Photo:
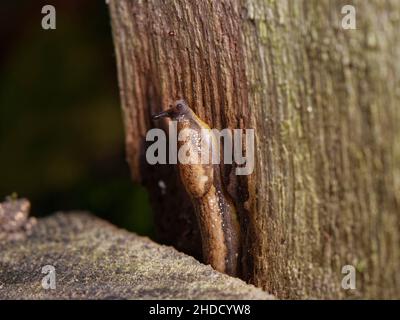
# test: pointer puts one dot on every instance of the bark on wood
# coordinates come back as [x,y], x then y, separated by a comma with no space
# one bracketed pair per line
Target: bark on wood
[324,103]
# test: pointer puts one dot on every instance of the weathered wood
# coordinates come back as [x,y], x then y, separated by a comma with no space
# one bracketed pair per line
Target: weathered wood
[95,260]
[324,103]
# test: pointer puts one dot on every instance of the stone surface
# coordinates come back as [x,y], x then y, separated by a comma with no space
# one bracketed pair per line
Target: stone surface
[95,260]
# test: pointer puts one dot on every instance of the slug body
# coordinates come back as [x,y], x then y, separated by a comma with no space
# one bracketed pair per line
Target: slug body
[215,211]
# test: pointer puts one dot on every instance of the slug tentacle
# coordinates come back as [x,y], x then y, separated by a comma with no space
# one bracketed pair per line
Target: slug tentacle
[215,211]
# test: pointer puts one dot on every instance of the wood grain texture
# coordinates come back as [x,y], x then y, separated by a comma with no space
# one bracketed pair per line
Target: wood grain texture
[324,103]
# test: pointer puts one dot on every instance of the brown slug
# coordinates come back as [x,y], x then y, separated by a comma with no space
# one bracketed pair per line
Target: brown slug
[215,211]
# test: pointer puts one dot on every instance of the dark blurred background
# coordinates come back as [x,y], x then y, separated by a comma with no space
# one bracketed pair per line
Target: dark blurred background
[61,129]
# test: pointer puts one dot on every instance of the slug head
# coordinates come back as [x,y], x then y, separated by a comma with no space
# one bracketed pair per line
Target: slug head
[179,109]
